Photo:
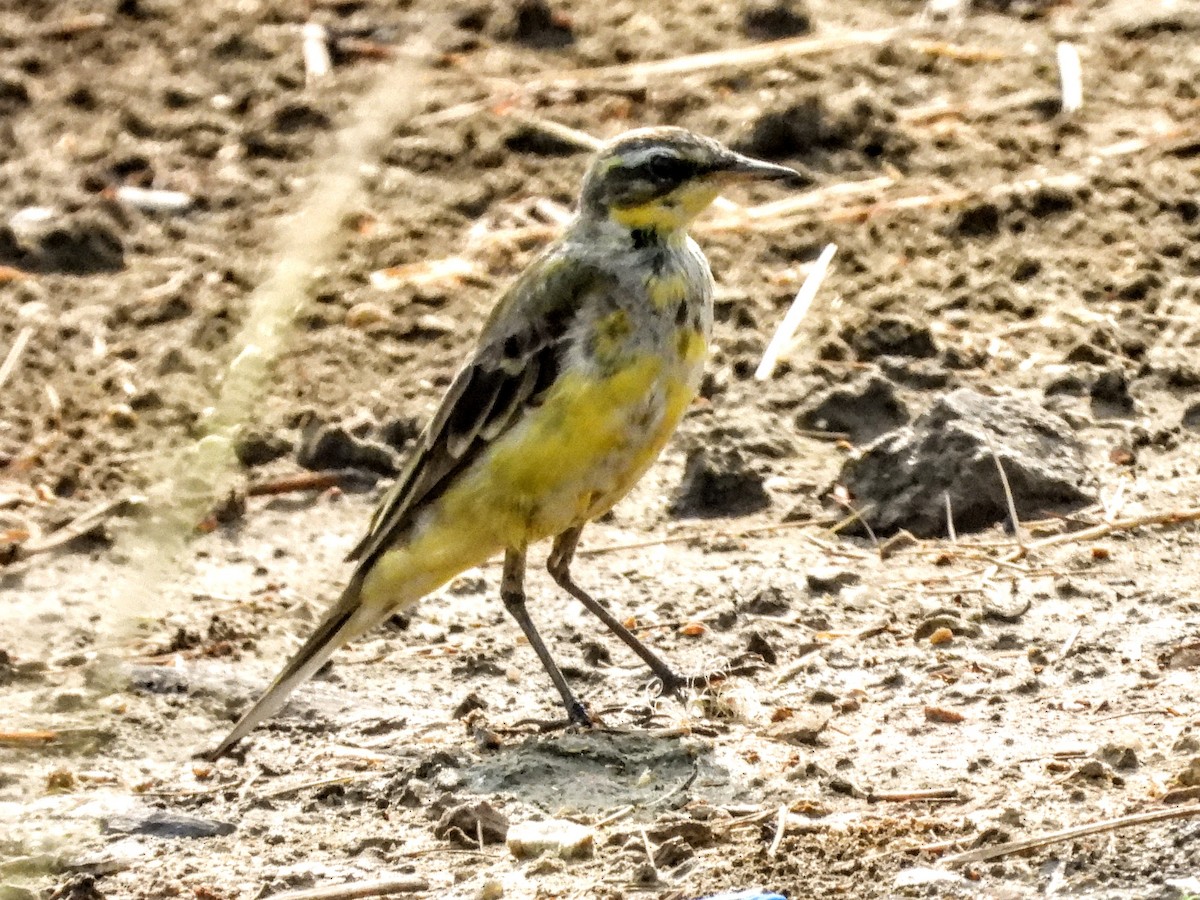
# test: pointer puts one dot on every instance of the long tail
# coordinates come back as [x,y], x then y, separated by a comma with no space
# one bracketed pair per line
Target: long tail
[346,620]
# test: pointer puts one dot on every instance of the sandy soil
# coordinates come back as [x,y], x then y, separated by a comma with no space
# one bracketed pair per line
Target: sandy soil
[986,240]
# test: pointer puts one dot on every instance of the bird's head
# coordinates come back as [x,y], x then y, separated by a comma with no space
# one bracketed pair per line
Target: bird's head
[660,179]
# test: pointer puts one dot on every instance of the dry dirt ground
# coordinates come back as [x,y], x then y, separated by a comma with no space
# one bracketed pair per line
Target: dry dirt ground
[900,703]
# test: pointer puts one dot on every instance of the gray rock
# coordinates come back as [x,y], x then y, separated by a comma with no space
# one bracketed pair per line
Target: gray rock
[903,478]
[165,824]
[326,447]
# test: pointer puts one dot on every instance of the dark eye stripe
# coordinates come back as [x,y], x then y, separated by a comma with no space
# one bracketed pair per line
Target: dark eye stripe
[667,169]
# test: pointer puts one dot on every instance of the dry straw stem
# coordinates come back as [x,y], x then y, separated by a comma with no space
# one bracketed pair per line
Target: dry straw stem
[14,354]
[795,314]
[758,55]
[983,854]
[780,827]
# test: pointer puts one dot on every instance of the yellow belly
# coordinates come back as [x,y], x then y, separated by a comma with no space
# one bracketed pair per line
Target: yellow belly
[569,461]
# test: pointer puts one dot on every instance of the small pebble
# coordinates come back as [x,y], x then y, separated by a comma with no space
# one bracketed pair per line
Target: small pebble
[558,837]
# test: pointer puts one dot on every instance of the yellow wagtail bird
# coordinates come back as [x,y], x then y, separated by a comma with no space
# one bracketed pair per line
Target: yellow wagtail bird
[581,374]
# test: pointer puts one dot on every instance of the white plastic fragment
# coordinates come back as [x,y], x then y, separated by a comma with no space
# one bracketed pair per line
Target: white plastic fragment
[153,200]
[1070,73]
[317,62]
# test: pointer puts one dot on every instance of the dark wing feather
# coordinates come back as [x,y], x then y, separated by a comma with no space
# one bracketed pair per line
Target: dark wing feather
[516,360]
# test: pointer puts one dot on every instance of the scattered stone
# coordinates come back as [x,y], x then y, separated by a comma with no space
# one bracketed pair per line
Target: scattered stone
[830,579]
[539,142]
[1110,395]
[534,24]
[864,409]
[1191,417]
[1190,774]
[558,837]
[672,852]
[758,645]
[164,824]
[324,447]
[719,482]
[257,448]
[943,716]
[892,336]
[464,824]
[1121,753]
[772,20]
[904,478]
[802,727]
[121,415]
[941,635]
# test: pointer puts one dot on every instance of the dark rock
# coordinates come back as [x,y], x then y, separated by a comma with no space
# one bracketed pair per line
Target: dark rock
[1087,352]
[295,117]
[1191,417]
[829,579]
[81,243]
[759,646]
[770,601]
[539,142]
[164,824]
[864,409]
[904,477]
[534,24]
[257,448]
[980,220]
[776,19]
[1110,395]
[892,336]
[14,93]
[333,447]
[719,483]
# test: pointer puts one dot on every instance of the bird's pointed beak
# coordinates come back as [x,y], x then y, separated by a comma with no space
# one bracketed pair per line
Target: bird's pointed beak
[738,168]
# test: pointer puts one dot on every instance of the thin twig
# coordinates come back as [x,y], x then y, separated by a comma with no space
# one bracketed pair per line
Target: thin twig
[908,796]
[761,54]
[355,889]
[1043,840]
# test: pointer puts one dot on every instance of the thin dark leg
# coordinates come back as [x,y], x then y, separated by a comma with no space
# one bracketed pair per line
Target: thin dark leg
[559,566]
[512,592]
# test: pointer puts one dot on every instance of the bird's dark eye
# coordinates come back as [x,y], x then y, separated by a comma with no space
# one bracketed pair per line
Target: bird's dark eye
[667,168]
